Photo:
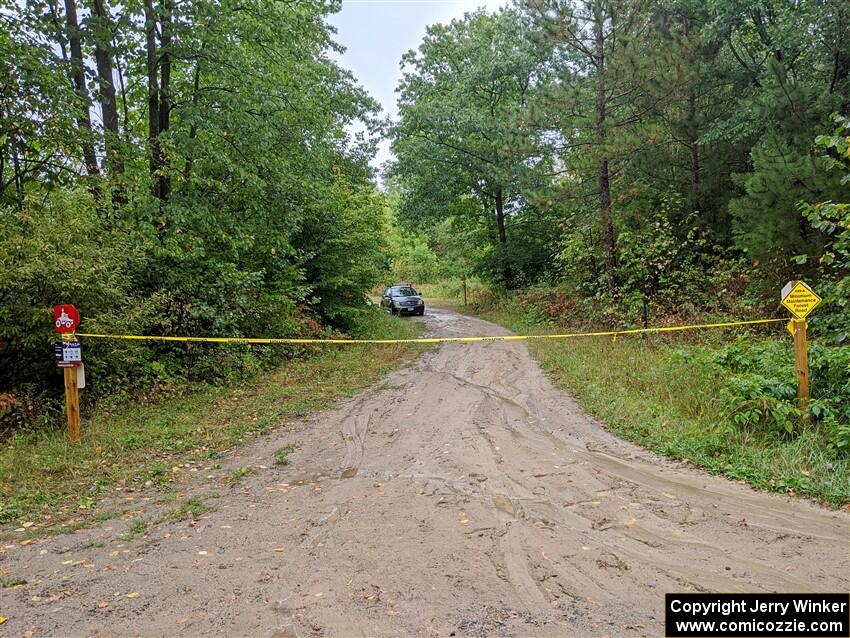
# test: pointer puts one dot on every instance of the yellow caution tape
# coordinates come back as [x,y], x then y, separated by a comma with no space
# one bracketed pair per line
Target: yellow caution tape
[293,341]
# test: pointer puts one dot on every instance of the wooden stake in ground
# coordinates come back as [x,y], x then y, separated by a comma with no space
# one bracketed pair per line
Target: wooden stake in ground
[72,404]
[463,280]
[66,319]
[801,361]
[800,300]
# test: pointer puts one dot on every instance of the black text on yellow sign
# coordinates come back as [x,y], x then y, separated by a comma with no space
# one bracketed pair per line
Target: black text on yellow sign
[800,299]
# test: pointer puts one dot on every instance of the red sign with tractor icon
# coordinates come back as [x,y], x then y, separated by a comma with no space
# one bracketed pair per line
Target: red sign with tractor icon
[66,318]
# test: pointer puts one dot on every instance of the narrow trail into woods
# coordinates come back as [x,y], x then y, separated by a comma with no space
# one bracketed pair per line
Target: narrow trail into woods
[464,495]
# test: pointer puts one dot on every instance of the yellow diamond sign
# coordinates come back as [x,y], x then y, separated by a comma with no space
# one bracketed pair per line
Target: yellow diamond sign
[799,299]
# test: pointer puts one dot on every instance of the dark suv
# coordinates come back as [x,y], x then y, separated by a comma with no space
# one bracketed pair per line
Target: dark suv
[403,299]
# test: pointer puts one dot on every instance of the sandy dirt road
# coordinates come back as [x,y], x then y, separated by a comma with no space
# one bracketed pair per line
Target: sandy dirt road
[463,496]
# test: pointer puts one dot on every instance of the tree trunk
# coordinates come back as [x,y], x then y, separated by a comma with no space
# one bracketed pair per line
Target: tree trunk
[108,105]
[766,39]
[692,135]
[500,218]
[840,74]
[123,91]
[693,141]
[60,33]
[193,129]
[606,221]
[606,230]
[166,7]
[3,142]
[503,236]
[153,97]
[79,78]
[19,182]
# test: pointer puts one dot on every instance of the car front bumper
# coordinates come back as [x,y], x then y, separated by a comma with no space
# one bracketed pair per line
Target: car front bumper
[411,310]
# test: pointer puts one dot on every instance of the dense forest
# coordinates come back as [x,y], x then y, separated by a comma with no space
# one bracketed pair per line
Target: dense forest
[646,158]
[177,168]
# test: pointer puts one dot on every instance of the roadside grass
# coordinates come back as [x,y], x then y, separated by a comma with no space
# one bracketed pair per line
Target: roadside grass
[91,544]
[137,527]
[239,474]
[189,509]
[449,290]
[11,581]
[46,479]
[281,456]
[650,390]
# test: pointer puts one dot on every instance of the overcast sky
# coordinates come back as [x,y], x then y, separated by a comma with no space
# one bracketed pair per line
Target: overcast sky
[377,32]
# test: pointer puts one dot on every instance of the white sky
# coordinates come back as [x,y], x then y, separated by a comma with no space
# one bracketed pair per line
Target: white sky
[377,32]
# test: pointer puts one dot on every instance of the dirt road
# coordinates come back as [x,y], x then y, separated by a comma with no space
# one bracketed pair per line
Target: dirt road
[463,496]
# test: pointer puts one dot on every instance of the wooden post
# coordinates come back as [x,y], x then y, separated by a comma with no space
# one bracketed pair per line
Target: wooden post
[72,404]
[801,361]
[463,280]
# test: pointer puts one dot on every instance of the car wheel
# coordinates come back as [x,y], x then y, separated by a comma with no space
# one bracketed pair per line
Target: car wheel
[421,312]
[393,310]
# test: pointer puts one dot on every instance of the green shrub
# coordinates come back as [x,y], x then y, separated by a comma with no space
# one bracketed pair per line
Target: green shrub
[128,277]
[755,400]
[839,435]
[761,389]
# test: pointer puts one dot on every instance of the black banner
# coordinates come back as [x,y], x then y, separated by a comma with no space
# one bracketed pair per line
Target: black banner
[757,615]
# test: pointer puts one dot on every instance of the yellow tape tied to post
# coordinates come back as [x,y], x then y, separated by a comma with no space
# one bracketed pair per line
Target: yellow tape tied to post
[295,341]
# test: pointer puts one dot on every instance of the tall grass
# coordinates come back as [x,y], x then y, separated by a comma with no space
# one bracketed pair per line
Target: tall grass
[451,290]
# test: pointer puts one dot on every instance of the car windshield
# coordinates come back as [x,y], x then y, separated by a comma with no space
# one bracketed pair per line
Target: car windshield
[403,291]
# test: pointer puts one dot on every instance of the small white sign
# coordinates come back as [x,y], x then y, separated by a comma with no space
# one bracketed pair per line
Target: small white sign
[71,352]
[81,376]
